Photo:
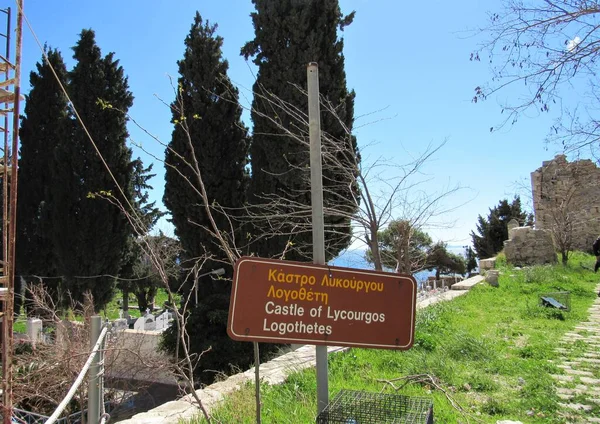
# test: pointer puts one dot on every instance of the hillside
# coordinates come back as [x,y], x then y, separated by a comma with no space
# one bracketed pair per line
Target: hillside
[483,357]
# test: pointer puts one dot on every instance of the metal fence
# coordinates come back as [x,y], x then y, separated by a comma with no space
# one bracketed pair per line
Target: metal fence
[25,417]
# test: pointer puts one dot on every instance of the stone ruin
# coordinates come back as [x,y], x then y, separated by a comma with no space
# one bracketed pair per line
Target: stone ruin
[566,203]
[528,246]
[566,195]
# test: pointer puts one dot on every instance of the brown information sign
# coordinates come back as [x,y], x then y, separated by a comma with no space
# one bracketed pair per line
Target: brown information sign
[294,302]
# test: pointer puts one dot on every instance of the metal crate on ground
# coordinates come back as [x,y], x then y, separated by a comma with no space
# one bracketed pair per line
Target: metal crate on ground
[557,300]
[357,407]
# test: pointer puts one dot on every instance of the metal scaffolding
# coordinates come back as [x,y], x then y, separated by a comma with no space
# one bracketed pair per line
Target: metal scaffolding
[10,96]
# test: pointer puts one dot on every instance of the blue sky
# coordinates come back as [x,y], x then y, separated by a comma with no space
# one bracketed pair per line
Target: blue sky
[408,61]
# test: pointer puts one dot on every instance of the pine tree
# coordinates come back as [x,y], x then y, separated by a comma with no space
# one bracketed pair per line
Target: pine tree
[402,247]
[90,233]
[208,134]
[43,127]
[443,261]
[289,34]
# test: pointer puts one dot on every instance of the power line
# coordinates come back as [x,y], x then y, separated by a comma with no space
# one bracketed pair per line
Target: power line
[42,277]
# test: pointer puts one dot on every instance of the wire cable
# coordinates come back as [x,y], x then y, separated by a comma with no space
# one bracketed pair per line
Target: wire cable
[91,139]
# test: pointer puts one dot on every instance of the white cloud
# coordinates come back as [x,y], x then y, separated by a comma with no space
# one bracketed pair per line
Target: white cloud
[572,44]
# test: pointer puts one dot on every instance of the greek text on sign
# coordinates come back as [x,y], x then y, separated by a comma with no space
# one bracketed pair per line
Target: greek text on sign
[295,302]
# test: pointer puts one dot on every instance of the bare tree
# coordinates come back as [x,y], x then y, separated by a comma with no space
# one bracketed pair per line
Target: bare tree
[565,217]
[45,369]
[45,372]
[562,206]
[551,48]
[396,195]
[280,213]
[383,190]
[160,259]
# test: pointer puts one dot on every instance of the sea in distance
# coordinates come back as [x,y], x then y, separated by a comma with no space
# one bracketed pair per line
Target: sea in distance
[355,258]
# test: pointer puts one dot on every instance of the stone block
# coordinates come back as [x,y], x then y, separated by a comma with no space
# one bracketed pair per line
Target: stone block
[529,246]
[485,264]
[34,330]
[491,277]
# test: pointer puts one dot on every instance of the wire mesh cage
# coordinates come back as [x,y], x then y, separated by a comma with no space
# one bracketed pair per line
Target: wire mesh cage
[358,407]
[559,300]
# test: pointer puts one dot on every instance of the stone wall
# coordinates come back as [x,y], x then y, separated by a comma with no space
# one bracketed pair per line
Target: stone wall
[566,197]
[136,356]
[526,246]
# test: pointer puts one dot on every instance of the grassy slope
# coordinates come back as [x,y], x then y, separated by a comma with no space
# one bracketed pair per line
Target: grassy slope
[488,349]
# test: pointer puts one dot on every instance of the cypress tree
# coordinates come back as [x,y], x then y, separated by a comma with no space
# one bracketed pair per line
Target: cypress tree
[288,35]
[207,111]
[43,127]
[208,133]
[493,231]
[90,233]
[149,214]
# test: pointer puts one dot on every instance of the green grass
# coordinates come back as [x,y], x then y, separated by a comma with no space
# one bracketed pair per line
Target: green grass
[489,350]
[111,311]
[20,326]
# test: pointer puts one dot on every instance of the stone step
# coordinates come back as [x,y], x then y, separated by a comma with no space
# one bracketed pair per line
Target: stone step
[587,399]
[564,351]
[590,328]
[571,378]
[579,390]
[590,343]
[581,336]
[571,371]
[584,362]
[576,406]
[572,333]
[591,355]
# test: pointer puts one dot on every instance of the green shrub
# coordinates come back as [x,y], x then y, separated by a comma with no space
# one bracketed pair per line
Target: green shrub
[425,341]
[493,406]
[500,260]
[463,346]
[480,382]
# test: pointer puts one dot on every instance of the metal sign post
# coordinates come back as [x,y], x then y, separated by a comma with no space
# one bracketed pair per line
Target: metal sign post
[318,223]
[277,301]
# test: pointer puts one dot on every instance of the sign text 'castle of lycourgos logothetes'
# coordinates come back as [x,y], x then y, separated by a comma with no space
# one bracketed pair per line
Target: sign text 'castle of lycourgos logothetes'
[293,302]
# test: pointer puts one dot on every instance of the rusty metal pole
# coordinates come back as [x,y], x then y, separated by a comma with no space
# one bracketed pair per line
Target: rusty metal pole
[4,330]
[12,223]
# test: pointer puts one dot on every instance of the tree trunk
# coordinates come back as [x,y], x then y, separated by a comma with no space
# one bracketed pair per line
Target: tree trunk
[564,256]
[142,301]
[374,245]
[126,303]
